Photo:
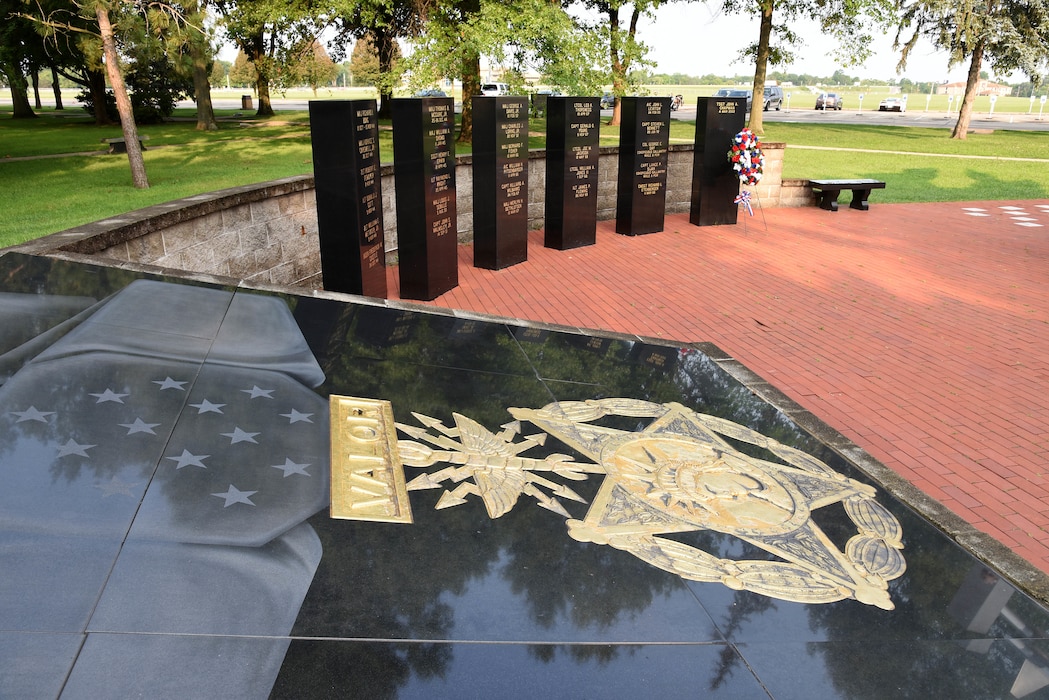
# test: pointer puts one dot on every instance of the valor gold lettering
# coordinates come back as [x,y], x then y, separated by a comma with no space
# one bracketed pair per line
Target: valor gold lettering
[367,480]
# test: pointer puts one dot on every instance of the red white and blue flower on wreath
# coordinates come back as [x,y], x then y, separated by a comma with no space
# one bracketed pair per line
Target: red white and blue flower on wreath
[746,157]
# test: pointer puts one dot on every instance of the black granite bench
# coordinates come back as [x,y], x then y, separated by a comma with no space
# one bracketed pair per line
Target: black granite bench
[827,192]
[119,145]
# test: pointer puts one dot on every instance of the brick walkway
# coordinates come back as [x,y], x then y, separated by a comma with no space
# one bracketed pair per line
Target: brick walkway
[919,331]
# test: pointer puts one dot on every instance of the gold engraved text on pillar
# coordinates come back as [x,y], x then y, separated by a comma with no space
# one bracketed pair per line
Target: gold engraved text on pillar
[367,480]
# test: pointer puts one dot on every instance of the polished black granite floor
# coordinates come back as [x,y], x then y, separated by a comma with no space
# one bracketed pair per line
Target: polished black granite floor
[165,532]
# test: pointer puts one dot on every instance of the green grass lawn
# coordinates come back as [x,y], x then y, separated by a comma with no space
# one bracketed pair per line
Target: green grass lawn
[47,195]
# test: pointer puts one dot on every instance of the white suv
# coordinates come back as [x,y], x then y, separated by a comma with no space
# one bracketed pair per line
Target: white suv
[495,89]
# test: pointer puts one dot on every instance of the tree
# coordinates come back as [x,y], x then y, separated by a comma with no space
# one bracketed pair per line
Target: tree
[59,22]
[57,87]
[314,67]
[364,61]
[534,33]
[379,23]
[625,52]
[851,22]
[270,32]
[72,49]
[19,86]
[156,68]
[127,117]
[201,53]
[219,74]
[19,46]
[1008,34]
[242,72]
[103,35]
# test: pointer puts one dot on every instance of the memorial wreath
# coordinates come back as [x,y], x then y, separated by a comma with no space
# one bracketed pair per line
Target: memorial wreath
[746,157]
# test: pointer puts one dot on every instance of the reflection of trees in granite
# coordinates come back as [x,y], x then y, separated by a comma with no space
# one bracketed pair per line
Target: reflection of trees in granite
[356,669]
[920,669]
[382,581]
[600,654]
[324,324]
[30,274]
[744,607]
[589,586]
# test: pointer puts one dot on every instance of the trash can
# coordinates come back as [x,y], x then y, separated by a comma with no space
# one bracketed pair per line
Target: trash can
[245,102]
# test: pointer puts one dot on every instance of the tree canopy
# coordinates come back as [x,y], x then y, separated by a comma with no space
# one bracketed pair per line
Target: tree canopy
[625,52]
[1008,35]
[272,34]
[852,23]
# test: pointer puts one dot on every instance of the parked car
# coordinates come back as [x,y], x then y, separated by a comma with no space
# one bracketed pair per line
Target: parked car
[829,100]
[431,92]
[495,89]
[539,101]
[742,93]
[773,98]
[723,92]
[892,104]
[608,101]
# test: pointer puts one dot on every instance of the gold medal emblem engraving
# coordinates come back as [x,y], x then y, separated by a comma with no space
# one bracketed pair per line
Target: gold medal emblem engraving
[681,473]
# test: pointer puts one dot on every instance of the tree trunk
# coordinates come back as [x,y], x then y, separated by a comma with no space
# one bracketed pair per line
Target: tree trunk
[202,92]
[618,69]
[36,88]
[200,57]
[57,87]
[127,115]
[384,46]
[19,93]
[262,87]
[961,128]
[471,86]
[757,104]
[97,86]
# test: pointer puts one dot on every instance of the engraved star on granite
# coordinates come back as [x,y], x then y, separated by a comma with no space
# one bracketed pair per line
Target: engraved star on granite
[239,435]
[235,495]
[139,426]
[169,383]
[290,468]
[109,396]
[206,406]
[32,413]
[297,417]
[188,459]
[72,447]
[255,392]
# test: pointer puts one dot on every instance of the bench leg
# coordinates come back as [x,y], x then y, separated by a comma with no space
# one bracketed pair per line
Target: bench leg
[828,199]
[859,199]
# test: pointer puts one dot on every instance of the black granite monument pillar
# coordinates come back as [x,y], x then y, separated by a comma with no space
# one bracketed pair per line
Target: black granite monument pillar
[424,174]
[572,143]
[644,137]
[500,181]
[345,138]
[714,182]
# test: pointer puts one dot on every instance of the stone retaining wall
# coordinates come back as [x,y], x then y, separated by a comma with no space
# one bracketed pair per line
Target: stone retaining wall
[267,233]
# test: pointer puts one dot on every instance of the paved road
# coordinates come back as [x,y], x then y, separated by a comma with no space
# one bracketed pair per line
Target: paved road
[916,117]
[980,120]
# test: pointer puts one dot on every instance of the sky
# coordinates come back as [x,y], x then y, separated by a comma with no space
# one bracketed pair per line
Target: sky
[693,38]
